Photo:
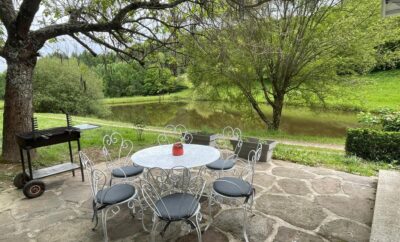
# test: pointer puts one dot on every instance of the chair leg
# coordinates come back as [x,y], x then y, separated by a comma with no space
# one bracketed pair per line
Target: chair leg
[198,228]
[104,223]
[156,221]
[142,215]
[210,197]
[245,223]
[251,203]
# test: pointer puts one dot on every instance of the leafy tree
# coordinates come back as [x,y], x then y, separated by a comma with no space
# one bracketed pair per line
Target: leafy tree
[110,23]
[69,86]
[122,79]
[282,49]
[158,81]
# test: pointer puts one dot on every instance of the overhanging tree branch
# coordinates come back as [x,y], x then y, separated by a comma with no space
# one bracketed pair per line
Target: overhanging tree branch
[54,31]
[116,23]
[111,47]
[87,47]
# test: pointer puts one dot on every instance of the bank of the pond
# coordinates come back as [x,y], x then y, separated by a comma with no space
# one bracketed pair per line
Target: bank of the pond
[214,116]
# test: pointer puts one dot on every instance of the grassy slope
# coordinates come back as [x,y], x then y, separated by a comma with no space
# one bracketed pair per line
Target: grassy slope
[382,90]
[367,93]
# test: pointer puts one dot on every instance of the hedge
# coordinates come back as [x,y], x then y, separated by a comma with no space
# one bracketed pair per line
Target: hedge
[373,145]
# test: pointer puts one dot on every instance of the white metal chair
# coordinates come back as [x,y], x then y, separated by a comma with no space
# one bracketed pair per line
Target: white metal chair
[117,151]
[227,162]
[107,198]
[237,188]
[172,134]
[174,196]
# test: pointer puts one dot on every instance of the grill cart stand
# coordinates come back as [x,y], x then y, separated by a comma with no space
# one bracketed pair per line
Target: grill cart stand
[29,178]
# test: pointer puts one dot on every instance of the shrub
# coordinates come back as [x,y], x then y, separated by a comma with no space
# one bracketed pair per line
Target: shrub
[66,86]
[373,144]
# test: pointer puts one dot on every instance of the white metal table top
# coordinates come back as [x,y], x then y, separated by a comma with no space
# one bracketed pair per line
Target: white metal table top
[161,156]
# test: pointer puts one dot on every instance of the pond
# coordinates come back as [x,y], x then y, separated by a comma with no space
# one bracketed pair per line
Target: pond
[215,115]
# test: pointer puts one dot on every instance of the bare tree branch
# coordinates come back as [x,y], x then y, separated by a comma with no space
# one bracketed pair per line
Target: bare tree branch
[7,13]
[91,51]
[117,50]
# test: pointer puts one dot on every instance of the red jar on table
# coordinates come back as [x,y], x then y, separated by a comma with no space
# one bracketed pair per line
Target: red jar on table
[177,149]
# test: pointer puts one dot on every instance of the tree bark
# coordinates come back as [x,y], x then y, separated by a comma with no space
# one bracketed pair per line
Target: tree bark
[18,105]
[277,112]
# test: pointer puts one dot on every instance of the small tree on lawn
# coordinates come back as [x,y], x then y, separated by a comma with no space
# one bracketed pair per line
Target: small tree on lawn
[281,49]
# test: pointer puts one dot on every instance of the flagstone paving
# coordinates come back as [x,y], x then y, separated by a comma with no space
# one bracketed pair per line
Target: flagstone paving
[293,203]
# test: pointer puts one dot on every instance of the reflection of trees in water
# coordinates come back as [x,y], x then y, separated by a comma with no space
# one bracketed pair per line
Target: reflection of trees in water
[208,115]
[157,114]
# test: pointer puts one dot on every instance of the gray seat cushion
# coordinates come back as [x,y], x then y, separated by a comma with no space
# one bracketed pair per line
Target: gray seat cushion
[221,164]
[232,187]
[115,194]
[128,170]
[177,206]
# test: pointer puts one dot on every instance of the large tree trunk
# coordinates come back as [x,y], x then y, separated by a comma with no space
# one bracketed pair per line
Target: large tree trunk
[277,112]
[18,105]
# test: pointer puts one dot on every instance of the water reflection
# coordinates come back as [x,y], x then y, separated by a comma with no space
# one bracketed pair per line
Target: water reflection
[206,115]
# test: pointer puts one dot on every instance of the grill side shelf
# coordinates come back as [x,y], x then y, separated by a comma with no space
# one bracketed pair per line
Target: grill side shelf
[56,169]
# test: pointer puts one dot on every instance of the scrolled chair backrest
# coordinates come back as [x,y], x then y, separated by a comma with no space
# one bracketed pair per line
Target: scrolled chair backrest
[115,147]
[225,139]
[253,157]
[172,134]
[87,163]
[158,178]
[98,181]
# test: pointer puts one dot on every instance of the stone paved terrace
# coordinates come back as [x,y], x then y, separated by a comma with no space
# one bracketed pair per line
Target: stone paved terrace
[293,203]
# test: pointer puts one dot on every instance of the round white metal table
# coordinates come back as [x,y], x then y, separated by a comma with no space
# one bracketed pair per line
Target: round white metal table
[161,156]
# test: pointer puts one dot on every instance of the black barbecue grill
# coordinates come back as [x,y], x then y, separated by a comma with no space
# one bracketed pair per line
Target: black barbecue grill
[29,178]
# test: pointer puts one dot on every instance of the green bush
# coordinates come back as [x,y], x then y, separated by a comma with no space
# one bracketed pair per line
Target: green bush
[373,144]
[67,86]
